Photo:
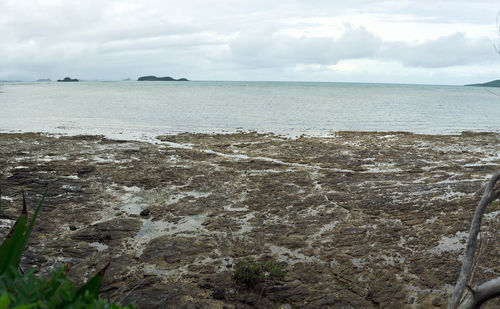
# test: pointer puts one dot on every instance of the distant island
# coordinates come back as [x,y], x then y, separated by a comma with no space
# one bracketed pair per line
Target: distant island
[164,79]
[494,83]
[44,80]
[68,79]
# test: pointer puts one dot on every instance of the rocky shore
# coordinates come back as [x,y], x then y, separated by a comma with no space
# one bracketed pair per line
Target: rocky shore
[357,220]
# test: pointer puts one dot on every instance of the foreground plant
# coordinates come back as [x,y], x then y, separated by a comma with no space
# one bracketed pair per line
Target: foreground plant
[24,290]
[464,295]
[250,274]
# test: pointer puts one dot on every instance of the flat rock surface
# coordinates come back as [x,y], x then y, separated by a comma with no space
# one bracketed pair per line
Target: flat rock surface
[357,219]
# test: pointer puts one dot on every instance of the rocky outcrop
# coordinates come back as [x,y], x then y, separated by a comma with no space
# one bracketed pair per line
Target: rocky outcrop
[355,219]
[68,79]
[164,79]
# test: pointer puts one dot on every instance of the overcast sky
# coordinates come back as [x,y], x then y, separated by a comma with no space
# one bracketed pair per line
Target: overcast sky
[431,42]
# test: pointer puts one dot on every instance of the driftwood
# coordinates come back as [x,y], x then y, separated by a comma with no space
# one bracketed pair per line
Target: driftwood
[478,295]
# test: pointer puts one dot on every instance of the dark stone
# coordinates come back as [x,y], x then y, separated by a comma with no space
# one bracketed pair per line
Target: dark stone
[205,284]
[251,299]
[276,289]
[437,302]
[72,227]
[146,212]
[219,293]
[115,229]
[85,170]
[148,296]
[21,177]
[175,250]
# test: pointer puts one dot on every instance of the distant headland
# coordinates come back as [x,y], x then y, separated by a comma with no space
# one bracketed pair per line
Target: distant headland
[494,83]
[44,80]
[68,79]
[166,79]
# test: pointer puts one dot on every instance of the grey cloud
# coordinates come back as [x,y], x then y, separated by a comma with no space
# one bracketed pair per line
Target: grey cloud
[452,50]
[111,39]
[260,49]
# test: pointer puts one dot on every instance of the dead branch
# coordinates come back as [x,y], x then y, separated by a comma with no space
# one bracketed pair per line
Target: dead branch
[482,293]
[488,288]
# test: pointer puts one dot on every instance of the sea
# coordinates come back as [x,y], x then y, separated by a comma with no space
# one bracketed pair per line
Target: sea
[142,110]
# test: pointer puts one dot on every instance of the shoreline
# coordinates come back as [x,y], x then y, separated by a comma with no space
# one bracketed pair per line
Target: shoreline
[153,137]
[357,219]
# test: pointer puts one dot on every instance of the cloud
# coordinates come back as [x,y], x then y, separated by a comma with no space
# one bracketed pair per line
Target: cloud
[452,50]
[263,49]
[219,39]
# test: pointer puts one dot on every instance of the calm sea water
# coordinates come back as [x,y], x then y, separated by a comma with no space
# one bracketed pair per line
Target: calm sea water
[145,109]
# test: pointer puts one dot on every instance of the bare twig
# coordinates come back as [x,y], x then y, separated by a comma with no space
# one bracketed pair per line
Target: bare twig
[477,259]
[472,244]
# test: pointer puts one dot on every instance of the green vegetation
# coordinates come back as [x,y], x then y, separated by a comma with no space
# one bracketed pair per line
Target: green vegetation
[68,79]
[24,290]
[251,274]
[164,79]
[494,83]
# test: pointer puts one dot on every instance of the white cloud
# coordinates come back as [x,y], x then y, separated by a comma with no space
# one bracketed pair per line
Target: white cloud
[222,39]
[265,49]
[452,50]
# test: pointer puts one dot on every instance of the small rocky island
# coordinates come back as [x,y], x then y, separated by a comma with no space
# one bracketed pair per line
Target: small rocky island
[68,79]
[165,79]
[44,80]
[494,83]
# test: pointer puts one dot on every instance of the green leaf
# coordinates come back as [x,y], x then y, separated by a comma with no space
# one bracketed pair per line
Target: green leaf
[32,223]
[93,285]
[26,306]
[4,300]
[12,247]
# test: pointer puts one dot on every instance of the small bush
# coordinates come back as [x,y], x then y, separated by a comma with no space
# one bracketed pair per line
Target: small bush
[251,274]
[24,290]
[28,291]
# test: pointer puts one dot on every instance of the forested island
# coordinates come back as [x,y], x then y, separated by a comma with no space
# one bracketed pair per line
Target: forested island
[166,78]
[494,83]
[68,79]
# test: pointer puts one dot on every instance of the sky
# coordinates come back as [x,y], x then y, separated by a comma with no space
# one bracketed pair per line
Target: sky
[422,42]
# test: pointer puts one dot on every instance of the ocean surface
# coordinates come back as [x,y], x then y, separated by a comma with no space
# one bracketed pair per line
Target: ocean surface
[137,110]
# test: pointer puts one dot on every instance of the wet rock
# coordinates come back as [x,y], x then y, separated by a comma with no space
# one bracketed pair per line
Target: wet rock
[205,284]
[145,212]
[169,251]
[109,231]
[148,296]
[85,170]
[349,215]
[437,302]
[251,299]
[219,293]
